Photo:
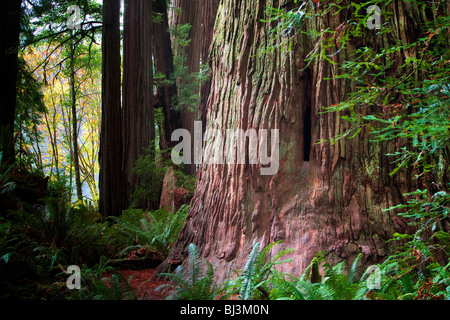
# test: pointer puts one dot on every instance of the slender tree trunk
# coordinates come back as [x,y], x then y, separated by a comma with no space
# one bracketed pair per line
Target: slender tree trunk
[73,101]
[138,118]
[323,197]
[9,44]
[53,144]
[110,156]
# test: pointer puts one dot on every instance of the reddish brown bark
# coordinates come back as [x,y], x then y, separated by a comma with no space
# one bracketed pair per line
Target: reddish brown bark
[110,178]
[325,197]
[137,114]
[166,94]
[209,12]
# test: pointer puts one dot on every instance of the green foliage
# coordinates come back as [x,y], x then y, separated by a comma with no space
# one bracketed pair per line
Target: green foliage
[420,267]
[95,285]
[36,240]
[335,283]
[192,284]
[253,282]
[47,19]
[151,175]
[7,247]
[66,234]
[261,280]
[188,83]
[287,26]
[29,109]
[157,230]
[185,181]
[411,104]
[250,273]
[151,167]
[5,184]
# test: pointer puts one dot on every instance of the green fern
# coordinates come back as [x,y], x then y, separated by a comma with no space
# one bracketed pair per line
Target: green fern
[250,273]
[257,272]
[157,230]
[284,289]
[71,231]
[192,284]
[96,286]
[334,284]
[7,245]
[133,229]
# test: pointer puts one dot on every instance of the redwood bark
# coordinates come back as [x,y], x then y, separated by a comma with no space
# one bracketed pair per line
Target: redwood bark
[166,94]
[190,12]
[325,197]
[138,118]
[209,12]
[110,155]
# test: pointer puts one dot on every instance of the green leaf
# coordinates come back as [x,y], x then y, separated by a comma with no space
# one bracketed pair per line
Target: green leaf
[444,237]
[6,257]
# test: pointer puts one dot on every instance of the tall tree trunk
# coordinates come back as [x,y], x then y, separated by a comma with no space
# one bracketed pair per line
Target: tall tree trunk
[190,12]
[164,62]
[166,94]
[209,12]
[73,104]
[323,197]
[110,177]
[9,45]
[138,118]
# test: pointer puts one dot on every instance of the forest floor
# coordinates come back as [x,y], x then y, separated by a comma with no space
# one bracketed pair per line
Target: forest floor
[145,285]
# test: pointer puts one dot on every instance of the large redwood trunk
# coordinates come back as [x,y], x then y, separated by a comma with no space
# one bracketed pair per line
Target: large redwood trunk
[110,155]
[209,12]
[324,197]
[137,113]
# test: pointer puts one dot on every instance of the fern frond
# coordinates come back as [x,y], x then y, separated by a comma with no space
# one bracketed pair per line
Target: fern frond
[191,285]
[250,273]
[354,270]
[309,290]
[327,292]
[283,289]
[407,284]
[194,263]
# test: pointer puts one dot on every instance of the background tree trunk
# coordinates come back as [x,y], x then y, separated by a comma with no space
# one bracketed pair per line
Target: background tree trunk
[9,45]
[325,197]
[138,118]
[110,177]
[190,12]
[166,94]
